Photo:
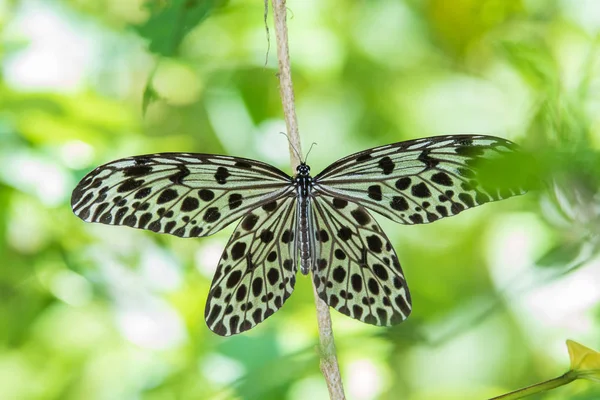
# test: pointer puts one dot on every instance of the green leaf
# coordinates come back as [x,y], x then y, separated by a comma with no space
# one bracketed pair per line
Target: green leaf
[559,255]
[533,60]
[171,20]
[150,95]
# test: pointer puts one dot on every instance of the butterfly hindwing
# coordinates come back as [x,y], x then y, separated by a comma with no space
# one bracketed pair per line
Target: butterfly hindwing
[256,273]
[423,180]
[357,271]
[182,194]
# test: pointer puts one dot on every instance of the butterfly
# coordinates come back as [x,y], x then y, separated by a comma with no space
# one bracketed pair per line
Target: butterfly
[321,223]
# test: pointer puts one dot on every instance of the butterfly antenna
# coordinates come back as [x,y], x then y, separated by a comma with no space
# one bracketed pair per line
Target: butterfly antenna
[292,146]
[309,150]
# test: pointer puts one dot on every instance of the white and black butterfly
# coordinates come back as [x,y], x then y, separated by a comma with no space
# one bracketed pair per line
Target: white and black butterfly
[320,223]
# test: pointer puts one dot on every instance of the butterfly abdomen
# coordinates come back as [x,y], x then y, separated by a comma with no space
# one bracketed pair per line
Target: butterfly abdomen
[304,242]
[305,245]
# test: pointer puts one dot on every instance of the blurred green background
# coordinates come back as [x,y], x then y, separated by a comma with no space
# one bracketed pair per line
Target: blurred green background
[101,312]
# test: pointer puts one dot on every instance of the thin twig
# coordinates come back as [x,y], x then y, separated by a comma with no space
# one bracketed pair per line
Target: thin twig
[286,89]
[539,387]
[329,363]
[265,15]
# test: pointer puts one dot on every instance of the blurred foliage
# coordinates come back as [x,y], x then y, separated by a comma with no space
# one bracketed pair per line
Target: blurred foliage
[170,21]
[100,312]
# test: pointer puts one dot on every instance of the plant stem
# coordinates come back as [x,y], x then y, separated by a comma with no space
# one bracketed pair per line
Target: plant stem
[329,364]
[538,387]
[286,87]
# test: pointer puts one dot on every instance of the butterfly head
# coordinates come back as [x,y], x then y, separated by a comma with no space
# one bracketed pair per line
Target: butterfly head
[303,170]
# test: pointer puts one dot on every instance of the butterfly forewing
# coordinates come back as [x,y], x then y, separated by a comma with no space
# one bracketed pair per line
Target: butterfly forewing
[357,270]
[182,194]
[256,273]
[423,180]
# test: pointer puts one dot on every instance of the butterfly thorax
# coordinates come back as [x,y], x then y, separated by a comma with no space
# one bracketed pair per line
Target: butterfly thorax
[303,180]
[304,183]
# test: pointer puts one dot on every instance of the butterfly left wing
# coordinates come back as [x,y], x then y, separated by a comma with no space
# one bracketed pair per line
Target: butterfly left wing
[357,271]
[423,180]
[181,194]
[257,271]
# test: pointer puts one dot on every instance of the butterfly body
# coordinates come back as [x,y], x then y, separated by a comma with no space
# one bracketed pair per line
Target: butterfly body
[304,185]
[321,223]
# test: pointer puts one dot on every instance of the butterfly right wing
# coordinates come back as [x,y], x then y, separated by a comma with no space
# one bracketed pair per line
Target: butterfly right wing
[182,194]
[423,180]
[357,271]
[257,271]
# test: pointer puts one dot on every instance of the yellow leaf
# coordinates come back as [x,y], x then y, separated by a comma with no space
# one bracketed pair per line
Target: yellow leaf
[585,362]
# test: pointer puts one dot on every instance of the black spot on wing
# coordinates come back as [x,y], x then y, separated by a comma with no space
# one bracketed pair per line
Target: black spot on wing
[373,286]
[238,250]
[233,279]
[375,244]
[344,233]
[177,178]
[243,164]
[416,218]
[166,196]
[129,185]
[142,160]
[399,203]
[143,192]
[387,165]
[211,215]
[144,219]
[273,276]
[339,203]
[221,175]
[195,231]
[464,142]
[322,236]
[339,254]
[420,190]
[206,195]
[235,200]
[443,211]
[431,217]
[380,271]
[360,216]
[137,170]
[257,286]
[466,199]
[429,161]
[403,183]
[269,207]
[339,274]
[189,204]
[130,220]
[374,192]
[287,236]
[363,157]
[356,282]
[266,236]
[154,226]
[442,178]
